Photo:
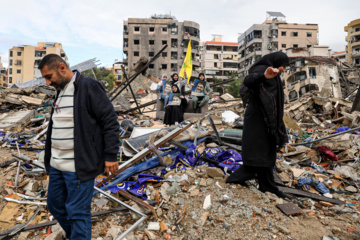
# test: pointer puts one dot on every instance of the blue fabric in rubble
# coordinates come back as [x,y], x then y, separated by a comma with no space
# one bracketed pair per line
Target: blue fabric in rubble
[317,184]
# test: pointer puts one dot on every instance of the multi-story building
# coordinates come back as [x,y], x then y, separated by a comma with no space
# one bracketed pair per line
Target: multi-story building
[117,71]
[273,35]
[311,69]
[24,60]
[353,39]
[146,36]
[218,59]
[3,75]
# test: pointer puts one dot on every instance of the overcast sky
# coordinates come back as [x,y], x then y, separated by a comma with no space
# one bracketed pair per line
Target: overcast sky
[91,28]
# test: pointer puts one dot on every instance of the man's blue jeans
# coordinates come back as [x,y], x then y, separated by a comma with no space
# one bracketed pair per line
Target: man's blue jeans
[69,201]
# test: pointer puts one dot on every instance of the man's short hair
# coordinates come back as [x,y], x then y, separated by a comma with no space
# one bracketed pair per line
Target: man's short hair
[52,61]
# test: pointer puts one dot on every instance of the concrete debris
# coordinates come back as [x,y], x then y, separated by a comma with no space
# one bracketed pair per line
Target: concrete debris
[318,169]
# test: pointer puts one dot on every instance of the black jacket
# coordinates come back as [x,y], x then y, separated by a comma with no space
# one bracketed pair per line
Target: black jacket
[96,129]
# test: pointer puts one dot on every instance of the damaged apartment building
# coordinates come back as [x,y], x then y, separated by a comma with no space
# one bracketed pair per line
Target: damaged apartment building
[311,69]
[273,35]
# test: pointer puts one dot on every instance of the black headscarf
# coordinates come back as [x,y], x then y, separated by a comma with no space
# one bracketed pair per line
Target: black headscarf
[271,94]
[173,81]
[276,59]
[177,88]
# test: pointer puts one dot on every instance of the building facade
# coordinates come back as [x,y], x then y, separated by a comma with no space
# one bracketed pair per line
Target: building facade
[218,59]
[117,71]
[273,35]
[353,40]
[146,36]
[311,69]
[24,60]
[3,75]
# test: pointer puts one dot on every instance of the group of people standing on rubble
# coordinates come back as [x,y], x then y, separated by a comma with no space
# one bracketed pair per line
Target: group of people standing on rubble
[83,133]
[175,102]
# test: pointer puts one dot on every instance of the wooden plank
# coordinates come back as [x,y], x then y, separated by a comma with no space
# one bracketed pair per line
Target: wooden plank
[310,195]
[138,201]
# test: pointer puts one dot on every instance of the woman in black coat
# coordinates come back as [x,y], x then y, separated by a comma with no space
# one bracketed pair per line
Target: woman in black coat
[175,113]
[264,130]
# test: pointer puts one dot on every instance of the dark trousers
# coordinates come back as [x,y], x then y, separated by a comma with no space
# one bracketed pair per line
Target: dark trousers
[264,176]
[69,201]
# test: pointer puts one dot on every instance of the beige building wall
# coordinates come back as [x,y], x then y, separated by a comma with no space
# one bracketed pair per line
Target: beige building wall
[23,61]
[353,39]
[292,35]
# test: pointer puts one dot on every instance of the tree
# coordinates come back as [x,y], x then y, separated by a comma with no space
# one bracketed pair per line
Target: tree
[102,73]
[234,87]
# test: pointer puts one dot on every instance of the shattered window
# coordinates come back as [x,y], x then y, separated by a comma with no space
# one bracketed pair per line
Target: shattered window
[309,34]
[312,72]
[283,33]
[293,95]
[136,29]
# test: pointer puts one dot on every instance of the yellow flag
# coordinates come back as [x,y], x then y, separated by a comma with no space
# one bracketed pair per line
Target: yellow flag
[187,65]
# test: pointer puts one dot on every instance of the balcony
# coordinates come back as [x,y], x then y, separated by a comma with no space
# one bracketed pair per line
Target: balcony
[355,53]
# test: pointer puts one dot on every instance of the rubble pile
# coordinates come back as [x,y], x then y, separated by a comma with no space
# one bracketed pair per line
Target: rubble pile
[30,96]
[180,183]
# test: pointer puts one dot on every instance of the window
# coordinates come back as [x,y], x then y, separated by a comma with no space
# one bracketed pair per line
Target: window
[136,29]
[10,79]
[136,41]
[309,34]
[11,53]
[312,72]
[295,45]
[308,46]
[151,66]
[174,30]
[10,70]
[151,29]
[293,95]
[216,56]
[136,54]
[283,34]
[215,64]
[218,49]
[283,45]
[10,63]
[151,42]
[19,54]
[164,54]
[163,42]
[18,71]
[295,34]
[163,66]
[151,54]
[164,29]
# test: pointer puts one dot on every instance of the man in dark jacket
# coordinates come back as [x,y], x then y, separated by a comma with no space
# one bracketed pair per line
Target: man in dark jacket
[82,141]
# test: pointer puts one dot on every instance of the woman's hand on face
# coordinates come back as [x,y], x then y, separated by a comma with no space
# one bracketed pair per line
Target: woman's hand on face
[271,72]
[182,97]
